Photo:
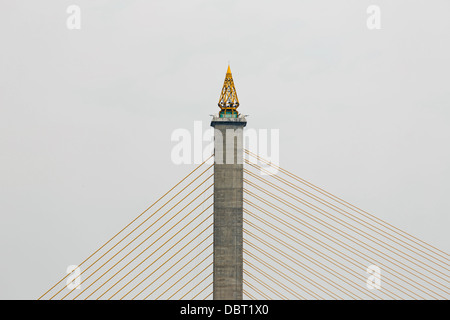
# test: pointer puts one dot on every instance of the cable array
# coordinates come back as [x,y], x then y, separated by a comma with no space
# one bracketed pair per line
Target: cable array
[322,246]
[300,242]
[154,256]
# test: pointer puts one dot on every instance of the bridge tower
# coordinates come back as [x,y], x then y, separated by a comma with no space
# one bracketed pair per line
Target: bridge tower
[228,194]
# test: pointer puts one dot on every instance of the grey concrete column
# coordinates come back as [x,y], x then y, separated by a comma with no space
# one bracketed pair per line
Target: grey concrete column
[228,207]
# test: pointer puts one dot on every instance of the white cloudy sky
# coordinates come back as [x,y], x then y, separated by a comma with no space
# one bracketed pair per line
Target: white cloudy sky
[86,115]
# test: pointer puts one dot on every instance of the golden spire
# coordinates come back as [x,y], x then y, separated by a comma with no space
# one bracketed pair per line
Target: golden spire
[228,101]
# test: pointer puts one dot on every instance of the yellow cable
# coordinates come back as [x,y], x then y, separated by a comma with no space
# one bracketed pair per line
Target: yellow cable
[149,246]
[167,269]
[344,278]
[297,262]
[204,288]
[256,290]
[301,275]
[348,205]
[164,254]
[136,238]
[346,214]
[248,294]
[197,286]
[329,237]
[351,237]
[207,296]
[278,271]
[161,256]
[184,266]
[317,241]
[125,228]
[263,284]
[145,259]
[193,277]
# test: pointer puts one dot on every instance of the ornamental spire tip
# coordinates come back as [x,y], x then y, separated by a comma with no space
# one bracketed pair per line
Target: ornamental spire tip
[228,101]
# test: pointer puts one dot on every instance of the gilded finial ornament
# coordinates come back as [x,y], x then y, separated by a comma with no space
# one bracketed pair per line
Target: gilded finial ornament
[228,101]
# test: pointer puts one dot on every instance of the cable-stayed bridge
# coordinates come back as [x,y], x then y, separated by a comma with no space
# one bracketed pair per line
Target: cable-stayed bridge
[232,229]
[299,242]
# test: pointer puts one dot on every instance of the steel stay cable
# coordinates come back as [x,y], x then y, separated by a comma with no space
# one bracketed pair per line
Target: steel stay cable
[360,242]
[195,275]
[296,283]
[181,268]
[315,240]
[288,278]
[161,265]
[149,246]
[165,223]
[351,206]
[207,296]
[350,216]
[136,229]
[143,240]
[203,289]
[248,294]
[357,230]
[79,265]
[197,286]
[294,249]
[145,259]
[288,256]
[273,280]
[350,237]
[263,284]
[347,204]
[256,290]
[294,271]
[341,243]
[316,273]
[264,252]
[184,266]
[170,267]
[291,247]
[331,238]
[360,221]
[293,238]
[163,255]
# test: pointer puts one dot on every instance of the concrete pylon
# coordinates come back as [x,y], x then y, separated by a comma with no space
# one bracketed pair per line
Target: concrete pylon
[228,207]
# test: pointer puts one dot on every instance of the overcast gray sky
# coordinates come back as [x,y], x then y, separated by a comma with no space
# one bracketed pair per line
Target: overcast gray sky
[86,115]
